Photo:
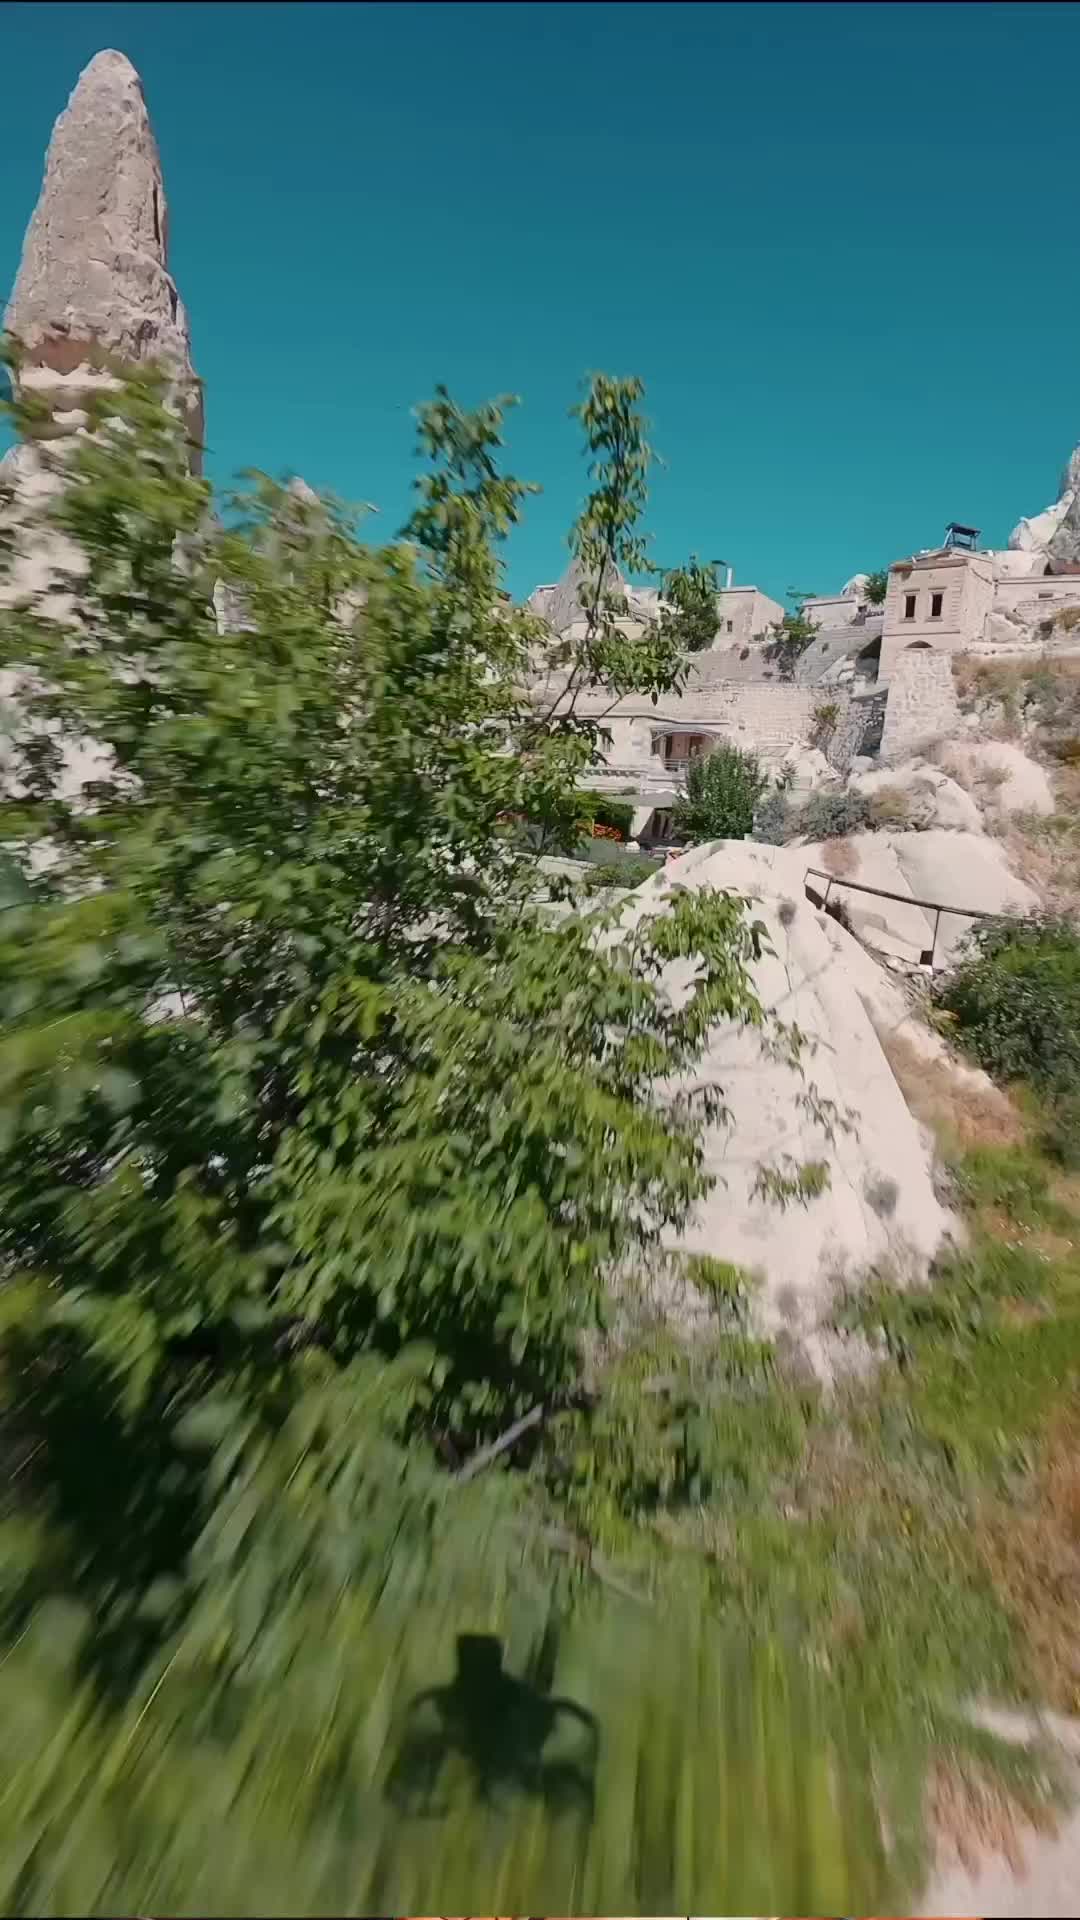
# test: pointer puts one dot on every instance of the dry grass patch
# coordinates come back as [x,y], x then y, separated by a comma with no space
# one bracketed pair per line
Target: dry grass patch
[948,757]
[890,806]
[964,1115]
[973,1815]
[950,1098]
[978,678]
[1045,848]
[839,857]
[1032,1549]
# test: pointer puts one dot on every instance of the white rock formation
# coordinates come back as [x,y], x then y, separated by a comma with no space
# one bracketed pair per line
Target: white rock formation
[889,926]
[1004,776]
[1056,530]
[93,288]
[1007,629]
[931,797]
[957,869]
[807,769]
[961,870]
[94,279]
[881,1200]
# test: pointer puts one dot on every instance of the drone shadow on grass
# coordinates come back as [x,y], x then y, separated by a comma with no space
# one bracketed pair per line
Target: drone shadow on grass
[514,1736]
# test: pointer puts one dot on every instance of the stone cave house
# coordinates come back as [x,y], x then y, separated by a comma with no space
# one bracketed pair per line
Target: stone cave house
[875,681]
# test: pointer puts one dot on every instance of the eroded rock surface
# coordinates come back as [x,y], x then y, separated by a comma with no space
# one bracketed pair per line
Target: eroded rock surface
[94,280]
[844,1108]
[1055,531]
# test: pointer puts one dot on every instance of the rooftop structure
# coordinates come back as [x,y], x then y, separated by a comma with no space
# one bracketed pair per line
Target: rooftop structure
[957,535]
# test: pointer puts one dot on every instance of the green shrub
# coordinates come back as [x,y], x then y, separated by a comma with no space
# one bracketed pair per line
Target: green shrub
[890,807]
[828,816]
[607,810]
[1060,1134]
[787,1181]
[726,1285]
[690,593]
[626,870]
[790,637]
[1014,999]
[773,819]
[722,793]
[1013,1179]
[826,719]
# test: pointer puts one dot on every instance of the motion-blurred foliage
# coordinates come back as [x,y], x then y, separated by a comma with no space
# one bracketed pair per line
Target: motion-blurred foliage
[319,1152]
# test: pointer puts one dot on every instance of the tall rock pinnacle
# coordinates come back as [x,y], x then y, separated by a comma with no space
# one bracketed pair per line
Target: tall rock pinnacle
[94,278]
[1055,531]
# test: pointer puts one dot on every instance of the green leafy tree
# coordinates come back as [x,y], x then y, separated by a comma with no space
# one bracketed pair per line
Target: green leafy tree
[691,613]
[319,1150]
[299,918]
[321,1154]
[876,586]
[723,791]
[791,635]
[607,542]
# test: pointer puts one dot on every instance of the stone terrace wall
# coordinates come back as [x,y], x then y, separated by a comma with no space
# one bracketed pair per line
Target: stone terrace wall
[763,717]
[922,703]
[859,729]
[767,718]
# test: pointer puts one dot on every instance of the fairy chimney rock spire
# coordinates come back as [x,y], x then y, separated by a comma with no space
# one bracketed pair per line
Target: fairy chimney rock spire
[94,280]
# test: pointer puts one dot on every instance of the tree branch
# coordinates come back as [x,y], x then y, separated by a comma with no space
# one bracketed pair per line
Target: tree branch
[485,1455]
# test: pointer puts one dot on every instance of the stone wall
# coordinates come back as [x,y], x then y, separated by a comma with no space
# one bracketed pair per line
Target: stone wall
[922,703]
[1034,601]
[763,717]
[861,728]
[868,720]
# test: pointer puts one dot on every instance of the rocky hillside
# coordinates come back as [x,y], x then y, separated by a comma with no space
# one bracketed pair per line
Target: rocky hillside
[825,1169]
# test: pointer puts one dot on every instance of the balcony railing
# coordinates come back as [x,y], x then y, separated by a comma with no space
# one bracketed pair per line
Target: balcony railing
[936,907]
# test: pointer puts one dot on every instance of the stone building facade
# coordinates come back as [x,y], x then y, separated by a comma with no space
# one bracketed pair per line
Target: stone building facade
[940,600]
[921,703]
[954,601]
[745,615]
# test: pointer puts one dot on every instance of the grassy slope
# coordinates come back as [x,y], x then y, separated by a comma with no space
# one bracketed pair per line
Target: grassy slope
[917,1530]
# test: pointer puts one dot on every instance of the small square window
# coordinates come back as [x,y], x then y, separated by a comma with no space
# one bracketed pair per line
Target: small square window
[909,606]
[937,601]
[731,626]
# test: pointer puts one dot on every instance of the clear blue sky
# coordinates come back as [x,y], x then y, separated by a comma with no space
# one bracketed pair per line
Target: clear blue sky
[841,245]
